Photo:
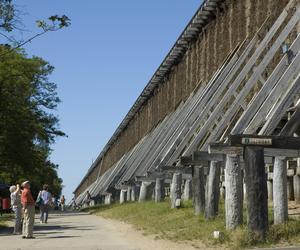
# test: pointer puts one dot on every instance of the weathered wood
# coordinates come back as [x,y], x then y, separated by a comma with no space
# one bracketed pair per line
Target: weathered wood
[176,190]
[213,190]
[297,189]
[270,189]
[129,190]
[281,142]
[135,192]
[293,124]
[280,190]
[233,194]
[107,199]
[198,189]
[187,192]
[146,191]
[257,194]
[290,188]
[159,190]
[123,196]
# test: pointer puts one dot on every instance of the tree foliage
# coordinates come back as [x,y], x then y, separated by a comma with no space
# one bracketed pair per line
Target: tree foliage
[27,125]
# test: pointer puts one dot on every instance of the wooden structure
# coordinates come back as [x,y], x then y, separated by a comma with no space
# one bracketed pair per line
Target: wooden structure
[243,118]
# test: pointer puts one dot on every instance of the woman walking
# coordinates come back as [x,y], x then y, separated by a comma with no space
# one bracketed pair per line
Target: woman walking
[15,199]
[44,200]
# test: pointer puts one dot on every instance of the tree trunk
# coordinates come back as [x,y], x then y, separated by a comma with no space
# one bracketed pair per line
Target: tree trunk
[234,193]
[198,189]
[159,190]
[257,191]
[176,190]
[280,200]
[213,190]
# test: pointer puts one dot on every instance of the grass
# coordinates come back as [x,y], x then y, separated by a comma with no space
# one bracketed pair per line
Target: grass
[182,225]
[4,218]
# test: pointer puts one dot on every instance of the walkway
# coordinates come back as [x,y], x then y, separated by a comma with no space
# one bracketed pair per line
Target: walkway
[78,231]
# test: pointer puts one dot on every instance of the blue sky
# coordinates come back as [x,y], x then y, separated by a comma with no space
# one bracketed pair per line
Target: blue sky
[102,63]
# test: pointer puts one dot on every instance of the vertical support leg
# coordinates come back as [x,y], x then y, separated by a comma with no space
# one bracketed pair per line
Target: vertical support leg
[198,189]
[146,191]
[270,189]
[159,190]
[129,189]
[256,183]
[234,192]
[187,193]
[213,190]
[122,196]
[297,183]
[280,200]
[176,190]
[290,188]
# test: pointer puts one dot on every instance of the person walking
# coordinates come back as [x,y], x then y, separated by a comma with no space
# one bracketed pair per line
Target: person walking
[28,210]
[15,200]
[62,203]
[45,199]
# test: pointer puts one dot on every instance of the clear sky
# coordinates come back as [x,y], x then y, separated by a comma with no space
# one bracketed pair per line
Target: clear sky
[102,63]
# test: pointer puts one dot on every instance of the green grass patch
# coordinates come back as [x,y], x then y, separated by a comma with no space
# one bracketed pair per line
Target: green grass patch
[182,225]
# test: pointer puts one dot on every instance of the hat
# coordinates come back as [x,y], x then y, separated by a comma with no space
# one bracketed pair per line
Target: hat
[12,188]
[24,183]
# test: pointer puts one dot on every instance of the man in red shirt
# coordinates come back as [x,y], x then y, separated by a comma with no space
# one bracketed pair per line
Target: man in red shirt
[28,204]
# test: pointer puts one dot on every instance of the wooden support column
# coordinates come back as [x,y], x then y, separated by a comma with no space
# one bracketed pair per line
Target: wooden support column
[129,190]
[213,190]
[176,190]
[280,200]
[198,189]
[146,191]
[159,189]
[123,196]
[297,183]
[107,199]
[233,194]
[270,189]
[290,188]
[257,197]
[134,192]
[187,193]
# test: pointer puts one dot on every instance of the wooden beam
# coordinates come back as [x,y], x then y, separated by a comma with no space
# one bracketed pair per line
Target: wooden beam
[280,142]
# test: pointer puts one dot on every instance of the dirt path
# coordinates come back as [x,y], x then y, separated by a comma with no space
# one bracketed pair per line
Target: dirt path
[82,231]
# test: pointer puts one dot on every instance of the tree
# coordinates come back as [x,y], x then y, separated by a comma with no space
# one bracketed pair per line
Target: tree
[9,21]
[27,124]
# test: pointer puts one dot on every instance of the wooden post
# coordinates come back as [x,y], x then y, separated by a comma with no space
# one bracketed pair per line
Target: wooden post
[134,192]
[257,197]
[146,191]
[280,190]
[297,188]
[187,193]
[213,190]
[176,190]
[122,196]
[297,183]
[107,199]
[159,189]
[129,189]
[198,189]
[270,189]
[290,188]
[233,194]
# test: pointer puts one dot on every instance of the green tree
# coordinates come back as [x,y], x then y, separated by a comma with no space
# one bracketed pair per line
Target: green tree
[28,126]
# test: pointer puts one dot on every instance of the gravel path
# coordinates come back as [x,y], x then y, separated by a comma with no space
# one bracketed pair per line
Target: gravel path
[79,231]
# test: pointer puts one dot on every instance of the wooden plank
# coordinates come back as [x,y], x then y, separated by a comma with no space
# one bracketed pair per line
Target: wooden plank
[280,142]
[253,79]
[235,106]
[281,73]
[292,125]
[281,108]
